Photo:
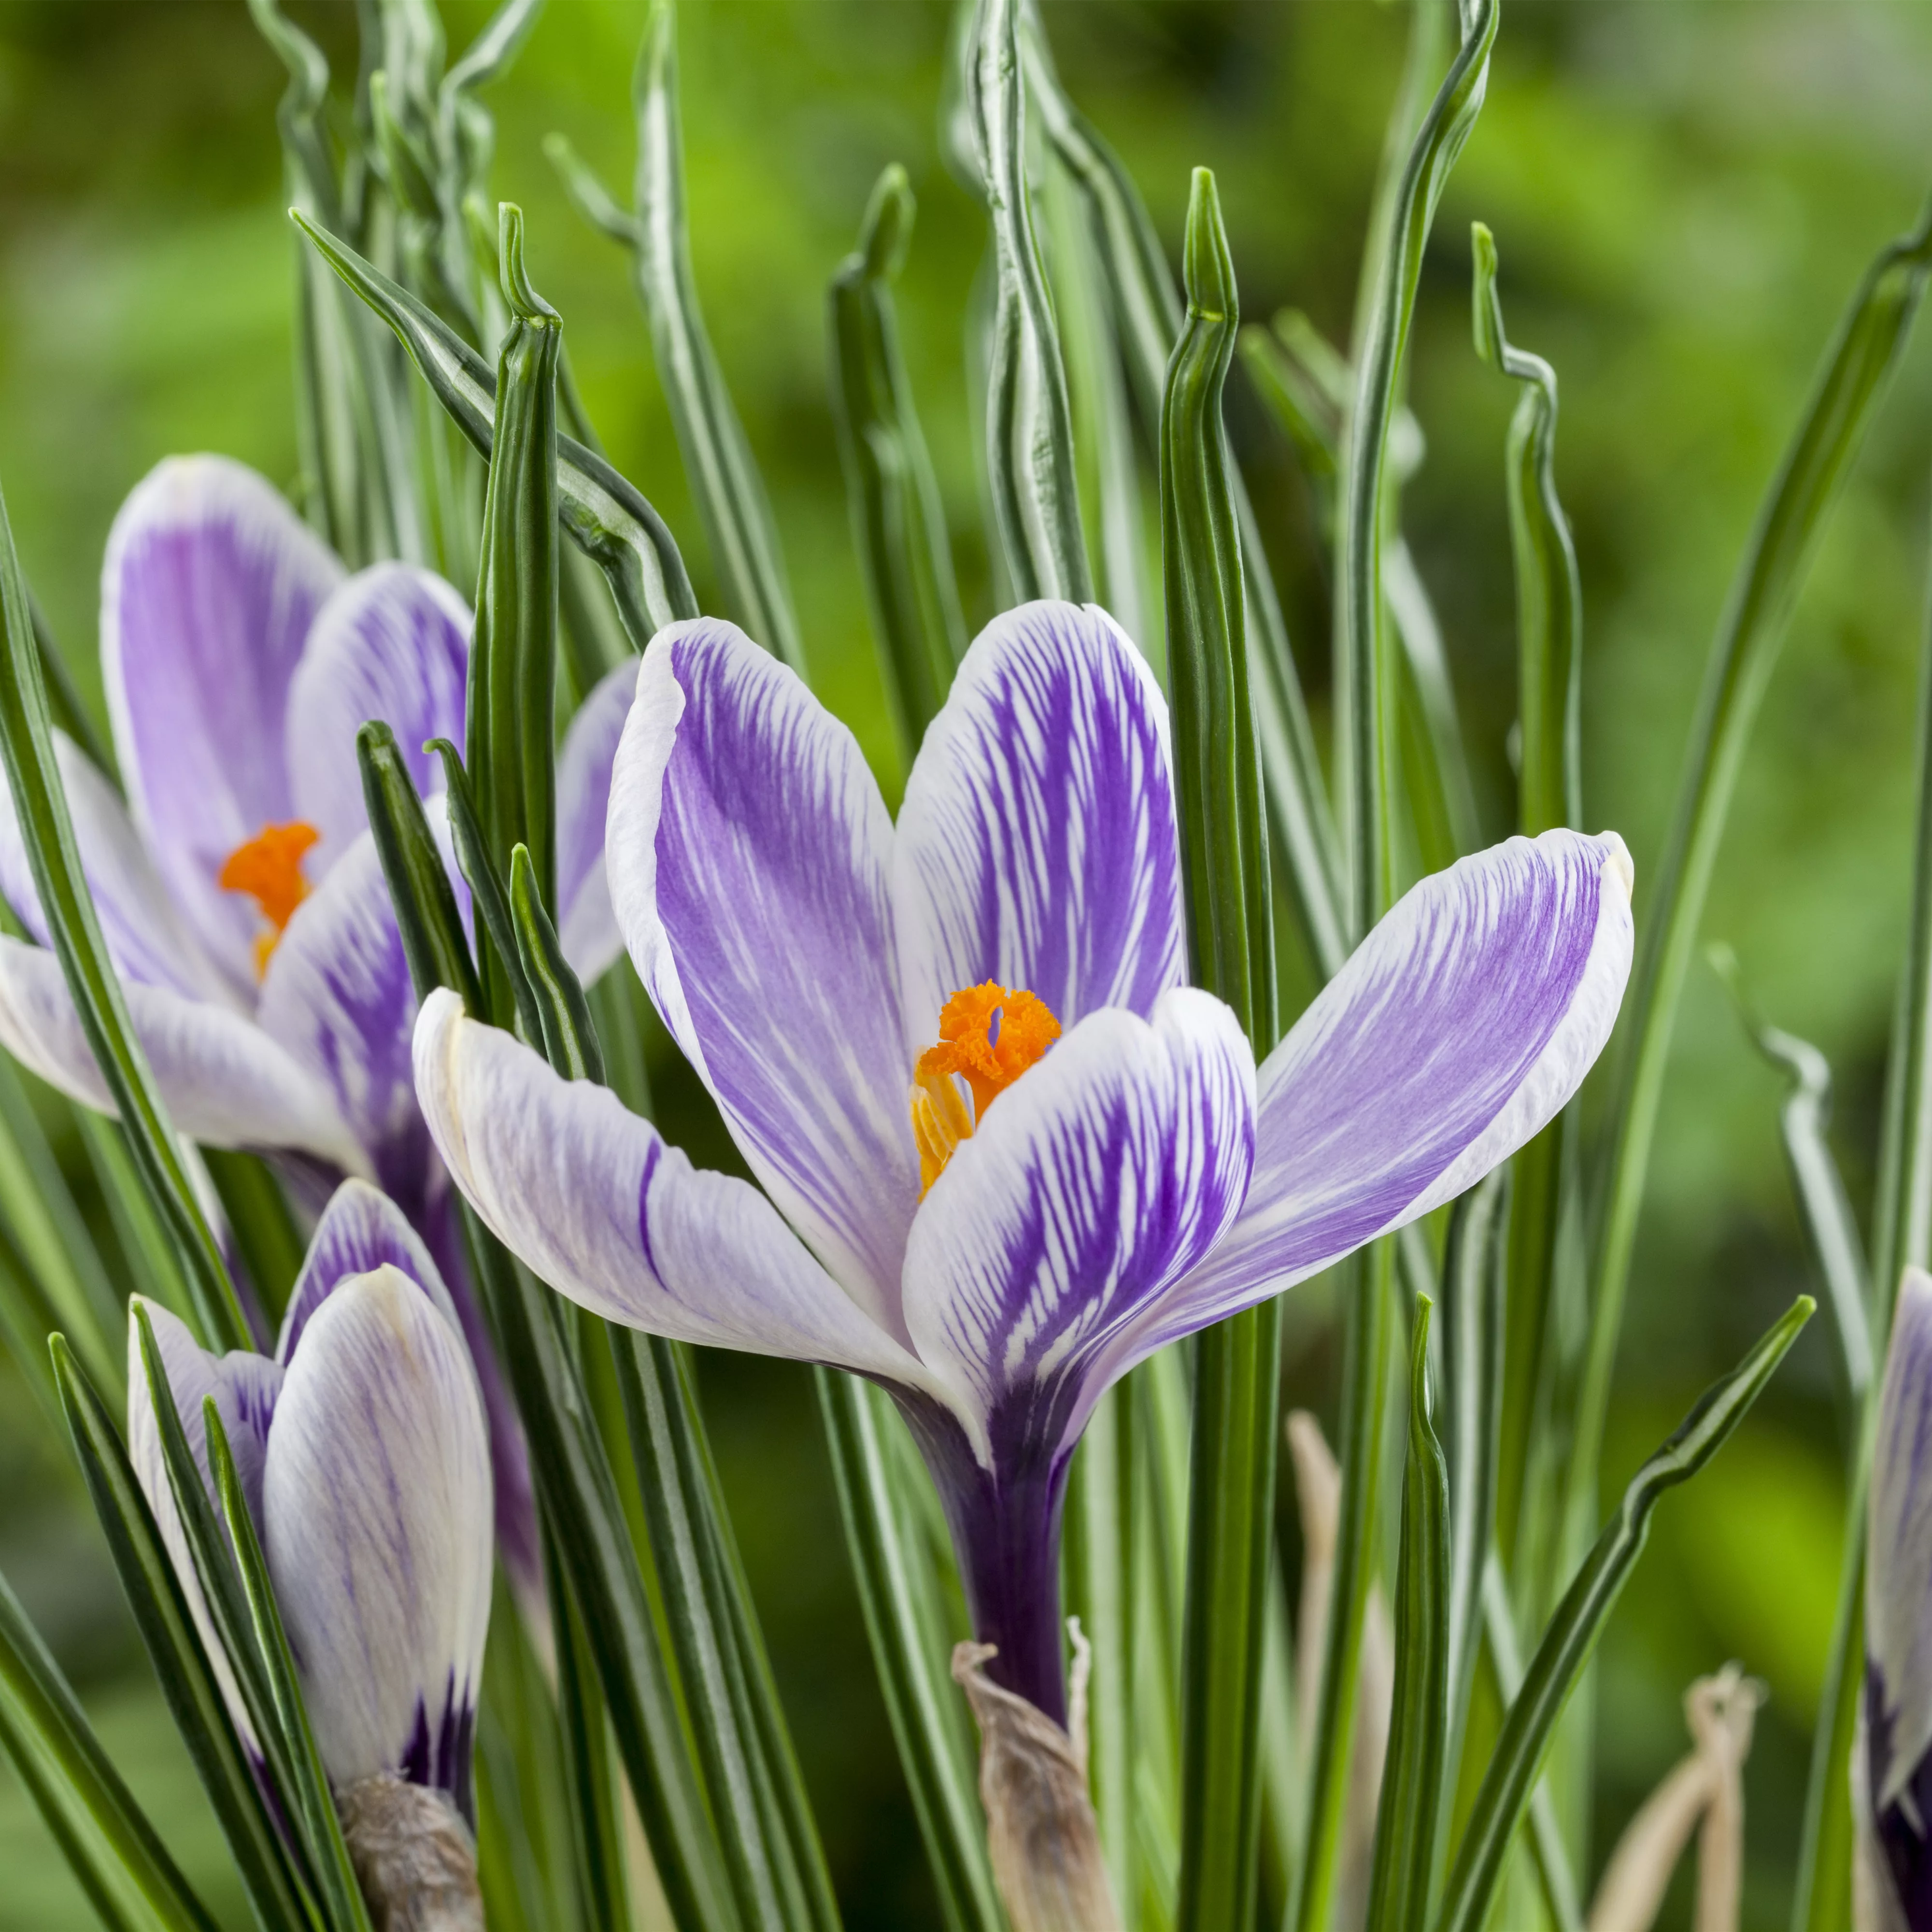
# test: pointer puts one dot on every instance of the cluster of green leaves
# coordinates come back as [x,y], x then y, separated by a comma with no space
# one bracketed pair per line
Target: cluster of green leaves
[440,423]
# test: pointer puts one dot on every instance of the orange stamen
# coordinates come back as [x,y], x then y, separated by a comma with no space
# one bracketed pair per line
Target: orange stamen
[268,868]
[988,1035]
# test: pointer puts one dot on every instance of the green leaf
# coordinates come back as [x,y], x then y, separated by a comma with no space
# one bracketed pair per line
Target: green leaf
[65,707]
[187,1680]
[604,514]
[39,802]
[1029,418]
[1579,1622]
[263,1225]
[595,1828]
[725,486]
[567,1036]
[115,1853]
[1549,593]
[899,1594]
[899,524]
[1225,879]
[1410,1809]
[1829,435]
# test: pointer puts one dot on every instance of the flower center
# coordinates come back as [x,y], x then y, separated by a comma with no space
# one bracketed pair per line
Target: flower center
[988,1035]
[268,868]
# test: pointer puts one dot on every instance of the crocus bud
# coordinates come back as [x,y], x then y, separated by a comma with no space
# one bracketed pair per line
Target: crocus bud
[1896,1783]
[363,1452]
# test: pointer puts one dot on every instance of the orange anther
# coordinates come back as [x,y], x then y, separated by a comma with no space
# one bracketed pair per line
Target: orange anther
[268,868]
[988,1035]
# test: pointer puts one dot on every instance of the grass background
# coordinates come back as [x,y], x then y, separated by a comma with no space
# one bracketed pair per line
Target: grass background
[1682,195]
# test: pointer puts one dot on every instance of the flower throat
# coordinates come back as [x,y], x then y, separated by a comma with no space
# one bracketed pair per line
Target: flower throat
[988,1035]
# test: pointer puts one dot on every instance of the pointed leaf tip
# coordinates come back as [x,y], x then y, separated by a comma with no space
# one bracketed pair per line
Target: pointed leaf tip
[1207,266]
[886,232]
[523,299]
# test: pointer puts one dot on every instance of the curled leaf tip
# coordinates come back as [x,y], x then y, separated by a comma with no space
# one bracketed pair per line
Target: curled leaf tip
[1486,305]
[523,300]
[1207,266]
[886,232]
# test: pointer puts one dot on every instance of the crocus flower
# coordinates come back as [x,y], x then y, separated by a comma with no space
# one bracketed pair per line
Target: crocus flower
[362,1447]
[1895,1786]
[1016,1152]
[239,888]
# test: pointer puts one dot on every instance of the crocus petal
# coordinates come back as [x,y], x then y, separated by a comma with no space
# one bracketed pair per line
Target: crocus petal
[376,1498]
[587,922]
[337,998]
[1898,1632]
[245,1388]
[147,938]
[360,1230]
[1037,846]
[224,1082]
[1457,1030]
[1100,1177]
[748,855]
[209,588]
[393,643]
[590,1197]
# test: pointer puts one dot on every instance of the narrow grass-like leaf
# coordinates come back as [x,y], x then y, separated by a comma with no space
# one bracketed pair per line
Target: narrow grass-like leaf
[1410,1813]
[65,707]
[567,1036]
[899,524]
[114,1849]
[898,1595]
[1226,889]
[1029,418]
[187,1680]
[725,485]
[1823,1204]
[39,802]
[1829,435]
[311,1791]
[260,1219]
[596,1828]
[603,513]
[1579,1622]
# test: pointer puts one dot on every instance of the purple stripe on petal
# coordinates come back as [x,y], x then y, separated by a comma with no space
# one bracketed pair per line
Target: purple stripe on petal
[590,1198]
[1037,846]
[393,643]
[1096,1180]
[225,1082]
[147,938]
[587,922]
[1461,1024]
[338,998]
[748,852]
[375,1496]
[209,587]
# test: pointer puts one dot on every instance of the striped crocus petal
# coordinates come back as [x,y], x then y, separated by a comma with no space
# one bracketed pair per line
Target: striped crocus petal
[1037,846]
[749,854]
[590,1197]
[1457,1030]
[376,1504]
[392,643]
[1898,1606]
[245,1388]
[147,938]
[587,921]
[210,585]
[338,1000]
[225,1082]
[1093,1183]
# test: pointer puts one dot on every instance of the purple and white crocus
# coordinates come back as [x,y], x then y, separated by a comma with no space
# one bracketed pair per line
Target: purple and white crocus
[1892,1778]
[362,1447]
[1017,1153]
[239,888]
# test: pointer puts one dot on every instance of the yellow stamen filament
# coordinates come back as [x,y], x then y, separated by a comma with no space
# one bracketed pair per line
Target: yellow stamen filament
[268,868]
[988,1035]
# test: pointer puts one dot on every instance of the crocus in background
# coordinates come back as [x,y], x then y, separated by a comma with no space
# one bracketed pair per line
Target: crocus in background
[1892,1769]
[1017,1153]
[239,888]
[362,1447]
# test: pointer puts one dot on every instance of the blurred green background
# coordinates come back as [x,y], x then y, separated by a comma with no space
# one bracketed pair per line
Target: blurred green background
[1682,195]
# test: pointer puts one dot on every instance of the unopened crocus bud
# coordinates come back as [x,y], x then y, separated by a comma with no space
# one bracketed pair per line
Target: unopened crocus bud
[362,1451]
[1893,1783]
